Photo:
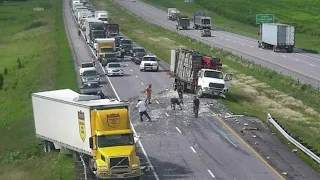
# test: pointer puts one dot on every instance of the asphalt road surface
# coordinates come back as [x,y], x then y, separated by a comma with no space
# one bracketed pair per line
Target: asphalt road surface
[174,148]
[300,65]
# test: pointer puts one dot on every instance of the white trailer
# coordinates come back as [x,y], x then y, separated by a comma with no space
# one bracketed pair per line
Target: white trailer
[75,5]
[277,37]
[87,27]
[103,16]
[78,11]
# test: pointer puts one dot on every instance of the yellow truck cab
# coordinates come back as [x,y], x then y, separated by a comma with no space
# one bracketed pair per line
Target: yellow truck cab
[97,129]
[105,46]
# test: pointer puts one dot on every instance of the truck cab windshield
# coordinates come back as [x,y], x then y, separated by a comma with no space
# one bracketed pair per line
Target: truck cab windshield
[149,59]
[97,35]
[206,21]
[213,74]
[115,140]
[106,50]
[103,19]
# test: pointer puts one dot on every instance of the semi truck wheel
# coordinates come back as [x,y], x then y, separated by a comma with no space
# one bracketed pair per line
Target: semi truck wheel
[199,92]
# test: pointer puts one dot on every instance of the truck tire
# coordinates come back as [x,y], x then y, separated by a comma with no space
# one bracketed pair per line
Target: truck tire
[274,48]
[289,50]
[199,92]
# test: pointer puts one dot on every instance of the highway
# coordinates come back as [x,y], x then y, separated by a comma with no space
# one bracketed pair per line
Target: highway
[175,145]
[299,65]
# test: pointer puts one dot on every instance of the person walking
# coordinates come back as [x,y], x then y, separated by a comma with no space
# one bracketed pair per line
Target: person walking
[180,92]
[79,33]
[142,110]
[148,94]
[196,104]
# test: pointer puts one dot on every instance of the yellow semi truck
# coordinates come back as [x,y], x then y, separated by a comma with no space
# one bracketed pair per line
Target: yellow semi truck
[105,46]
[97,129]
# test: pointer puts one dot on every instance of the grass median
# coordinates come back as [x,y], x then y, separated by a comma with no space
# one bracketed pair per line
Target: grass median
[239,16]
[256,90]
[35,56]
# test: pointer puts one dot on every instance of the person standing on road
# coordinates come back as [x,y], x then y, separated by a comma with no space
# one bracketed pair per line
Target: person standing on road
[196,104]
[180,93]
[142,110]
[148,94]
[93,60]
[79,33]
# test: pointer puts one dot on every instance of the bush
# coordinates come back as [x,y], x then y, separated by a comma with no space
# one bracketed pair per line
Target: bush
[19,63]
[5,71]
[1,81]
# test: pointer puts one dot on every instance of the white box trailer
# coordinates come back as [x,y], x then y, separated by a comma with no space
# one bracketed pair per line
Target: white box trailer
[277,36]
[75,5]
[103,16]
[99,129]
[87,27]
[78,10]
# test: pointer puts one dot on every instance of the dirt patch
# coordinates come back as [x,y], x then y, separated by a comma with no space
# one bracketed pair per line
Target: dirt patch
[164,41]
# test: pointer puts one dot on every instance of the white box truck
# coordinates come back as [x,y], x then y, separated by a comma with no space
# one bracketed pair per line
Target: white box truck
[173,14]
[103,16]
[98,129]
[277,37]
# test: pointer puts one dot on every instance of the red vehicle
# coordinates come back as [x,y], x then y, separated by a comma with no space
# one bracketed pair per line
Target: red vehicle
[111,29]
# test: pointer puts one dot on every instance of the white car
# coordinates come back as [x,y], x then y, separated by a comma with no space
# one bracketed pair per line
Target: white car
[133,0]
[149,62]
[84,66]
[114,69]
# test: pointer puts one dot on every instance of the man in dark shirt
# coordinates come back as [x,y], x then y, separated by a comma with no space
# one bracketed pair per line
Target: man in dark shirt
[196,104]
[175,101]
[180,93]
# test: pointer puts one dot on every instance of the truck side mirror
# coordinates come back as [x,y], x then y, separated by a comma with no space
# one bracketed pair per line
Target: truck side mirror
[91,142]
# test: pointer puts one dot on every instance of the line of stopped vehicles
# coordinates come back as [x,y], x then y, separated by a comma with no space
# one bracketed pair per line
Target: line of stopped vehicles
[99,130]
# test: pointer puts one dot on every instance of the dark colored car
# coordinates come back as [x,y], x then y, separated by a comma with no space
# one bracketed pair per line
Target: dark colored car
[118,40]
[126,46]
[138,53]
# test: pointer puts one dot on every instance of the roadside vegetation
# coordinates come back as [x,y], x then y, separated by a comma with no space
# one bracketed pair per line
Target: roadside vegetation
[34,56]
[239,16]
[256,90]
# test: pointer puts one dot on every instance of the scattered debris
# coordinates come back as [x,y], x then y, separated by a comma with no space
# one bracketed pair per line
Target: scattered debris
[284,173]
[294,150]
[250,128]
[254,136]
[228,115]
[245,124]
[256,143]
[268,157]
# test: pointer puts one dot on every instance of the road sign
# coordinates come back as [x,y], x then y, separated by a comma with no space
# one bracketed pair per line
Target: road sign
[264,18]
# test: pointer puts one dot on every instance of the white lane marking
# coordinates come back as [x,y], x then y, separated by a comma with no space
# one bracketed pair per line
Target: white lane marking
[309,56]
[178,129]
[157,102]
[211,174]
[134,131]
[228,39]
[235,41]
[193,149]
[251,46]
[127,65]
[142,83]
[311,64]
[130,69]
[220,37]
[137,77]
[283,56]
[167,114]
[297,60]
[272,52]
[242,44]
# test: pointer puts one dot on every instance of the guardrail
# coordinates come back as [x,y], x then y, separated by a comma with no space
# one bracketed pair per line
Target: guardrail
[292,140]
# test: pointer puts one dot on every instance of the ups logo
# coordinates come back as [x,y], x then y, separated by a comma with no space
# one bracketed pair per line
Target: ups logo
[113,120]
[82,125]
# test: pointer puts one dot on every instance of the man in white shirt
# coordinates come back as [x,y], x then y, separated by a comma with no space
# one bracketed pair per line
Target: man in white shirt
[142,110]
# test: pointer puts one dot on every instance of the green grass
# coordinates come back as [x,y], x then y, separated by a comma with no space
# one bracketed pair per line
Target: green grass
[38,40]
[239,16]
[298,101]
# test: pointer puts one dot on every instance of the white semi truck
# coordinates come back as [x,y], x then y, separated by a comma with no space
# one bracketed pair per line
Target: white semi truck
[277,37]
[198,73]
[94,29]
[97,129]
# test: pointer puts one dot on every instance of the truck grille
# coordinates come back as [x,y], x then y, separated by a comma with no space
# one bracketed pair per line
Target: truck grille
[215,85]
[147,64]
[119,161]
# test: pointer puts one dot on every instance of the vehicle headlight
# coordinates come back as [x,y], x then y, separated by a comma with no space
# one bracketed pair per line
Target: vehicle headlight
[155,64]
[103,168]
[135,165]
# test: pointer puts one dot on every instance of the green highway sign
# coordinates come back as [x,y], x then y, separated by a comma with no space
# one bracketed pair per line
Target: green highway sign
[264,18]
